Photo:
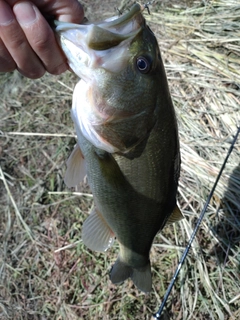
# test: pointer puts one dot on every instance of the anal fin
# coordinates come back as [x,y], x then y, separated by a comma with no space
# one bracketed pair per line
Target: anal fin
[96,234]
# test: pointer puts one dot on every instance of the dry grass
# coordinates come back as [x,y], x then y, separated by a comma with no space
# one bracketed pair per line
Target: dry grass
[45,270]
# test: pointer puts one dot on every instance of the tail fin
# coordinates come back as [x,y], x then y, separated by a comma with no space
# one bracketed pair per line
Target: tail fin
[141,277]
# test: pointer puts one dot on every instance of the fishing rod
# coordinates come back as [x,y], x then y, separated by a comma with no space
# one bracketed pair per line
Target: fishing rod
[157,315]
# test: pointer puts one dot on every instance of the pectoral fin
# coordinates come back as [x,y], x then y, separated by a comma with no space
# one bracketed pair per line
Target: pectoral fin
[175,216]
[96,234]
[76,168]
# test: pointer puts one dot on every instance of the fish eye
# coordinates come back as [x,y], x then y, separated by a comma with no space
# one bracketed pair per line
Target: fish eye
[143,64]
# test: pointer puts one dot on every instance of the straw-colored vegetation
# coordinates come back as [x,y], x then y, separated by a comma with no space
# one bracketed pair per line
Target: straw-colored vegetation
[45,270]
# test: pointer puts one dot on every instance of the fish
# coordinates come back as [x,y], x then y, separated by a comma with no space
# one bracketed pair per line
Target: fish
[127,138]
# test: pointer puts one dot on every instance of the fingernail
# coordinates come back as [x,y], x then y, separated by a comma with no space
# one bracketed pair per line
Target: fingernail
[6,15]
[25,13]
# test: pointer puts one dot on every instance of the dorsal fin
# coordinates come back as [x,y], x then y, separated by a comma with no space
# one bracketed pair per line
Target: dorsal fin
[175,216]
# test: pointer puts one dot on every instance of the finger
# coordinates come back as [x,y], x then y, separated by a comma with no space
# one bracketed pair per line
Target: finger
[40,37]
[69,11]
[7,63]
[64,10]
[17,45]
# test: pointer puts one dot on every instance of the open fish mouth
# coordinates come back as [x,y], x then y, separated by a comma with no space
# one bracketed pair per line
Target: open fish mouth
[111,31]
[92,45]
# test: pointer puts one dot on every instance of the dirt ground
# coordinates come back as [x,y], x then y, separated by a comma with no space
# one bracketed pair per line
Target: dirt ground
[46,272]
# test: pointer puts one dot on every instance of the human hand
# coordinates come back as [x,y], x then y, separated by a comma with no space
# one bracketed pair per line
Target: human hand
[27,42]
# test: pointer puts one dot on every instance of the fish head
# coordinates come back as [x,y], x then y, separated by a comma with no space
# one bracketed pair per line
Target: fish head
[120,64]
[99,45]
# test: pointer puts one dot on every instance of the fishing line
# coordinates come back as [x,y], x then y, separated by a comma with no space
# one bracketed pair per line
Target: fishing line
[158,314]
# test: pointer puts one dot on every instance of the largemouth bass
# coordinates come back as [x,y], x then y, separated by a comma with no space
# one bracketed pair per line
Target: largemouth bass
[127,138]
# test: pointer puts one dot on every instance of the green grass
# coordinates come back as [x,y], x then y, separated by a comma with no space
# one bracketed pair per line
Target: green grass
[45,270]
